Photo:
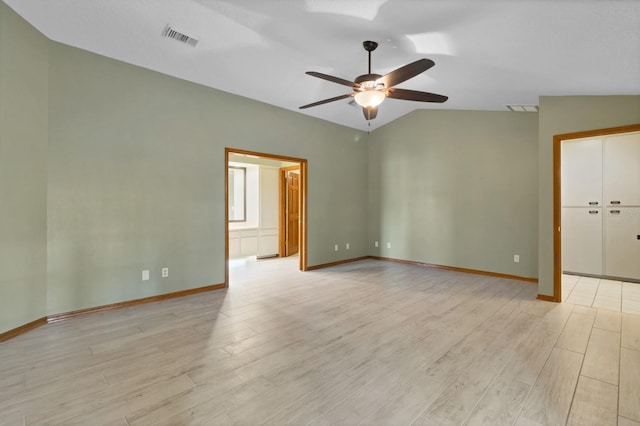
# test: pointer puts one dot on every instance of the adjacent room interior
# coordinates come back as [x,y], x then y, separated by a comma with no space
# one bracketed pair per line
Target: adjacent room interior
[266,203]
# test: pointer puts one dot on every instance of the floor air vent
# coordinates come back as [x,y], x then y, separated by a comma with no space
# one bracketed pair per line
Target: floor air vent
[181,37]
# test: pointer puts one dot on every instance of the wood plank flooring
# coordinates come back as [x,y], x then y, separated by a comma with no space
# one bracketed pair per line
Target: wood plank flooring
[365,343]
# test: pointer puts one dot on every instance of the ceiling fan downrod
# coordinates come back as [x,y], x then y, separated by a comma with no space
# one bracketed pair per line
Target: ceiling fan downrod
[369,46]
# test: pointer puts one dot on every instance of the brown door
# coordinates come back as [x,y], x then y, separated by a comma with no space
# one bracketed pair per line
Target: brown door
[292,212]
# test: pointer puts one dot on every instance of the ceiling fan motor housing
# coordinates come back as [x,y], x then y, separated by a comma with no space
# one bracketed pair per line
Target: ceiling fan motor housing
[363,79]
[369,45]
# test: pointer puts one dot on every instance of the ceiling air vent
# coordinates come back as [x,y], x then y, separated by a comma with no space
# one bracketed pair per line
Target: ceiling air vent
[523,108]
[181,37]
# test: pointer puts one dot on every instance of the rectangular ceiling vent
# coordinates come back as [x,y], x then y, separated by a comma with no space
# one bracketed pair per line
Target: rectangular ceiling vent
[181,37]
[523,108]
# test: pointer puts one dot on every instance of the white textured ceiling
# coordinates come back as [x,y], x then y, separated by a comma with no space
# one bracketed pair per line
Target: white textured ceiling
[488,53]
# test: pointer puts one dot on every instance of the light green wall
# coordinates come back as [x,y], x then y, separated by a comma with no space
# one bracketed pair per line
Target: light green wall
[456,188]
[136,179]
[23,171]
[107,169]
[569,114]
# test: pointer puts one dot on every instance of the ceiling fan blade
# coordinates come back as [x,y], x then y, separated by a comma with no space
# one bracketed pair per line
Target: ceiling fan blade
[333,79]
[406,72]
[413,95]
[370,113]
[326,101]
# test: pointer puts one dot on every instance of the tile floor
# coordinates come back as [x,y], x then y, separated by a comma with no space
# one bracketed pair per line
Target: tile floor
[619,296]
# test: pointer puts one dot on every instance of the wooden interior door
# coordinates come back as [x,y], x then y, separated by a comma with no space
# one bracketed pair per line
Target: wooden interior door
[292,209]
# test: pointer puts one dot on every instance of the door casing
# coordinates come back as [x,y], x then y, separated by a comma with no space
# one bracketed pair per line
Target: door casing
[302,241]
[557,198]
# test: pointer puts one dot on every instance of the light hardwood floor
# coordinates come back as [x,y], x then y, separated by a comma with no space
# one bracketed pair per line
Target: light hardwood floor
[369,342]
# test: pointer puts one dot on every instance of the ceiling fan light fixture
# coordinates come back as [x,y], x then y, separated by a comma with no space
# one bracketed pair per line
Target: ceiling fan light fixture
[370,90]
[370,98]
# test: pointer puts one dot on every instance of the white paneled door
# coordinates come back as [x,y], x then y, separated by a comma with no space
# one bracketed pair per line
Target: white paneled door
[601,206]
[582,240]
[582,172]
[622,242]
[622,170]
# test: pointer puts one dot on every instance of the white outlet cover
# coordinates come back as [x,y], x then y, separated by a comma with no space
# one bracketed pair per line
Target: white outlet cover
[165,272]
[145,275]
[388,245]
[335,247]
[347,246]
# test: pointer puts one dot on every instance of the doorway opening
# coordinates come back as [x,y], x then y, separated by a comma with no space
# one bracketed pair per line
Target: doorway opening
[265,207]
[557,196]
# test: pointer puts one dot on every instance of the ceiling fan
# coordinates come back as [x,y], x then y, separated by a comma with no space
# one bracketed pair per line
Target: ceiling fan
[370,90]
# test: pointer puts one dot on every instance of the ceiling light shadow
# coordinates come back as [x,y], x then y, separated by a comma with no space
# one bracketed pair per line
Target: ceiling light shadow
[433,43]
[363,9]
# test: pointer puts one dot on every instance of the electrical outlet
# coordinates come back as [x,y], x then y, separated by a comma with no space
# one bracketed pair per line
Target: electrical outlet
[145,275]
[516,258]
[335,247]
[165,272]
[376,244]
[347,246]
[388,245]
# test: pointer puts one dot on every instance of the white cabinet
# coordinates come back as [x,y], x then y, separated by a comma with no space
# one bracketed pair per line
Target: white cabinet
[582,172]
[243,243]
[234,244]
[622,170]
[622,242]
[248,242]
[582,240]
[601,206]
[268,242]
[582,206]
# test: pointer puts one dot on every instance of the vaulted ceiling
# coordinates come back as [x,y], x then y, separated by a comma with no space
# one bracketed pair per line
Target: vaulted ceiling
[488,54]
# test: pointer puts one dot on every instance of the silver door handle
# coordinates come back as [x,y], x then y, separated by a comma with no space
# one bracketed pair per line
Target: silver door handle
[593,211]
[593,203]
[615,211]
[615,202]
